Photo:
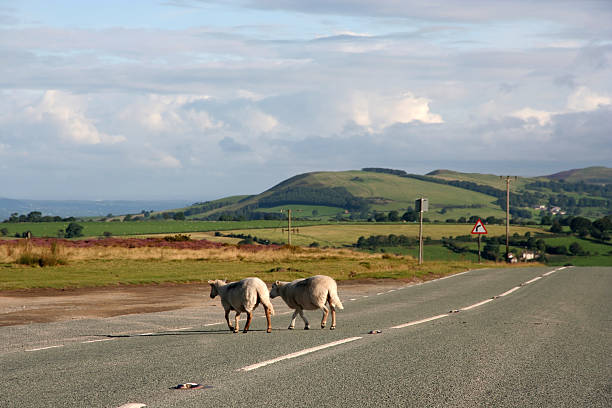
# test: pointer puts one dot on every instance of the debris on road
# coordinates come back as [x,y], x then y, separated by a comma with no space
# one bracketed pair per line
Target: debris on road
[375,332]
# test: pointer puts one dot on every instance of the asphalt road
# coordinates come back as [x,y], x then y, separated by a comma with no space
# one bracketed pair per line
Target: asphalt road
[538,337]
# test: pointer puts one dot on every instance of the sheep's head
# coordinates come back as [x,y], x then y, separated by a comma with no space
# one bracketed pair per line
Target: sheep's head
[274,292]
[213,287]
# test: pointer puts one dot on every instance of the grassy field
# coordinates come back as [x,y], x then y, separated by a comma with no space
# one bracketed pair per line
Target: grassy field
[348,234]
[91,267]
[97,228]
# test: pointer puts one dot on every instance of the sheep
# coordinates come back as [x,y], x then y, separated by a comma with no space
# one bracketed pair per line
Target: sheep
[310,294]
[242,296]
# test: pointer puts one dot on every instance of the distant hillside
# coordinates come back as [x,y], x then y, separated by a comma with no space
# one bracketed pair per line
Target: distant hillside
[359,194]
[589,175]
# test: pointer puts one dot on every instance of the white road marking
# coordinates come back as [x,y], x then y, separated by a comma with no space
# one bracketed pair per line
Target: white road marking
[510,291]
[179,329]
[477,304]
[147,334]
[132,405]
[96,341]
[213,324]
[429,319]
[45,348]
[551,272]
[379,293]
[350,300]
[532,280]
[297,354]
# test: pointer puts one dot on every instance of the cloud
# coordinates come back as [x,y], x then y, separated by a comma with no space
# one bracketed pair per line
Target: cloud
[67,114]
[542,117]
[583,99]
[377,112]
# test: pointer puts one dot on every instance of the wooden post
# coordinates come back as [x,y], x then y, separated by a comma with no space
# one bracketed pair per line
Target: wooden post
[421,234]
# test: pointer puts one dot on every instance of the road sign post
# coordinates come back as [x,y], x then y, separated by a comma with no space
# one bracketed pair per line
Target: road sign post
[421,205]
[479,229]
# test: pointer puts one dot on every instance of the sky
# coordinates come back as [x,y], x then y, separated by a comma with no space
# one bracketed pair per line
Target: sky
[203,99]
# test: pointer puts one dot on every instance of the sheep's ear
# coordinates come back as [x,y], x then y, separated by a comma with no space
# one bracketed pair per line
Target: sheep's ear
[211,282]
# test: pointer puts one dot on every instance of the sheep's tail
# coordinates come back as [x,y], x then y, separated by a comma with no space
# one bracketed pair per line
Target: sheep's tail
[333,299]
[264,299]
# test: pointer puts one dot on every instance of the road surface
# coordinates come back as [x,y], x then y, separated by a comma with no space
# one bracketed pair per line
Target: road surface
[494,337]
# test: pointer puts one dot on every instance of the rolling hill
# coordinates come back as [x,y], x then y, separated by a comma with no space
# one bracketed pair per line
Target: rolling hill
[360,193]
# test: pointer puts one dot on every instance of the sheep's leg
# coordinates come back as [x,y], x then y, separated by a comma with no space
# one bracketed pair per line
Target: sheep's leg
[333,313]
[236,322]
[227,320]
[306,324]
[325,313]
[268,313]
[292,324]
[248,322]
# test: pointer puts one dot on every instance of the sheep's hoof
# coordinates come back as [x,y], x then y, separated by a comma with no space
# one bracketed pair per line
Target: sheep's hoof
[291,327]
[231,329]
[245,331]
[306,327]
[235,330]
[322,326]
[332,328]
[269,331]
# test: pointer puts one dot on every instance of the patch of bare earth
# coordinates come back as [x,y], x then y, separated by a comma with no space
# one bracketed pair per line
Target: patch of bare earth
[53,305]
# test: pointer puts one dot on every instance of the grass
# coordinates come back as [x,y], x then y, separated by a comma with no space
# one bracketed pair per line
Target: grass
[288,265]
[97,228]
[348,234]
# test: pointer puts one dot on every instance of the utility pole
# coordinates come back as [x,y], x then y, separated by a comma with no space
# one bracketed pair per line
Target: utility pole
[421,205]
[289,225]
[508,178]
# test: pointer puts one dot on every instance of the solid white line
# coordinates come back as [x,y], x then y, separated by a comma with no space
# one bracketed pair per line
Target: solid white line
[532,280]
[45,348]
[510,291]
[96,341]
[429,319]
[147,334]
[297,354]
[213,324]
[182,328]
[477,304]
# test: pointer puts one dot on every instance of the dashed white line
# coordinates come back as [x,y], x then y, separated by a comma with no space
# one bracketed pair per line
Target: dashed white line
[510,291]
[477,304]
[96,341]
[46,348]
[532,280]
[429,319]
[213,324]
[297,354]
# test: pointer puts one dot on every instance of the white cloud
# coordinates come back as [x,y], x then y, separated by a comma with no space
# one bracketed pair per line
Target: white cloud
[377,112]
[67,113]
[170,113]
[543,117]
[583,99]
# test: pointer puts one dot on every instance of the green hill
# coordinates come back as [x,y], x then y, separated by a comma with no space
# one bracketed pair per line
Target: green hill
[589,175]
[360,194]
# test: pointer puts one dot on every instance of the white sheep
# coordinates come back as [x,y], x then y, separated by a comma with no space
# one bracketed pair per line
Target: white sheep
[309,294]
[242,296]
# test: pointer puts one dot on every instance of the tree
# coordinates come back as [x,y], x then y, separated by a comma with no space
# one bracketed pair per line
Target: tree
[179,216]
[575,249]
[73,230]
[578,224]
[556,227]
[394,216]
[4,232]
[410,215]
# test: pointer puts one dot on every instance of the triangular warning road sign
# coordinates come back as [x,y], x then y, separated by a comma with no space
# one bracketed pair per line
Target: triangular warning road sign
[479,228]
